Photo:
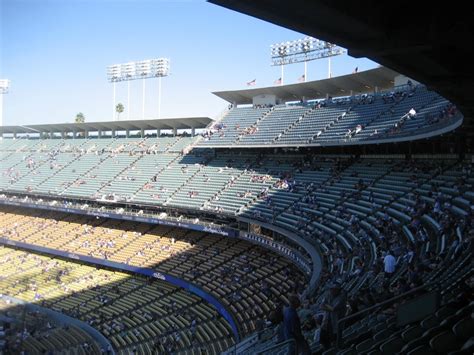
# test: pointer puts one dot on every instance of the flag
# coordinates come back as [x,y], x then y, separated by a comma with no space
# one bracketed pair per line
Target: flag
[302,79]
[356,69]
[252,83]
[277,82]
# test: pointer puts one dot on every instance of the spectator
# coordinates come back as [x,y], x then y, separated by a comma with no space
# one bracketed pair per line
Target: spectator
[389,263]
[292,327]
[336,307]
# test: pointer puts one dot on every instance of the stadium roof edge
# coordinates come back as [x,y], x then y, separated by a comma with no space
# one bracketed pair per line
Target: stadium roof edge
[131,125]
[362,82]
[434,50]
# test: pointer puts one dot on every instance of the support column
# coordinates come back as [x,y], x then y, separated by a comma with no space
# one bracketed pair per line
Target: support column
[127,133]
[193,131]
[175,131]
[142,133]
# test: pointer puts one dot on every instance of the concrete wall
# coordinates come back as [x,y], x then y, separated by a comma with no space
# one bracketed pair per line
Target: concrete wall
[264,100]
[403,79]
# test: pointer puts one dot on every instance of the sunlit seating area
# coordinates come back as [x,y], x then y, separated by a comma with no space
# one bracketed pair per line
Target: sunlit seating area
[249,280]
[356,119]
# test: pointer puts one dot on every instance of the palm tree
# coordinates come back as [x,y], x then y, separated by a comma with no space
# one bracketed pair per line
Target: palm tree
[80,118]
[119,109]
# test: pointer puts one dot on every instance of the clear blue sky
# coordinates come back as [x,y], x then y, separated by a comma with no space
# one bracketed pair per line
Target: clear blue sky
[55,52]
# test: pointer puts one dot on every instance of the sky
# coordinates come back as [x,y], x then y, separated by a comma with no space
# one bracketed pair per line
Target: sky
[55,52]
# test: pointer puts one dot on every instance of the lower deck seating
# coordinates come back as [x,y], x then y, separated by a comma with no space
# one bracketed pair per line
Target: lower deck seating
[36,333]
[136,314]
[248,280]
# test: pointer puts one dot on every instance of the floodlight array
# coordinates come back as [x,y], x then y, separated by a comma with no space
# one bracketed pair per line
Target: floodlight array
[145,69]
[4,86]
[302,50]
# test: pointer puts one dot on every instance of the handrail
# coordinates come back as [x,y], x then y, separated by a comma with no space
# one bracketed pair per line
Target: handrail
[250,340]
[275,346]
[142,271]
[65,319]
[376,306]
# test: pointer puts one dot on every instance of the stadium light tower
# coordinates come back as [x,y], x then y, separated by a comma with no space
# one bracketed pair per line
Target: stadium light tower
[4,86]
[114,75]
[145,69]
[280,51]
[303,50]
[129,72]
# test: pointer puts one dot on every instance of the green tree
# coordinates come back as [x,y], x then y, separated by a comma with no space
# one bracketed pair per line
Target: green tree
[80,118]
[119,109]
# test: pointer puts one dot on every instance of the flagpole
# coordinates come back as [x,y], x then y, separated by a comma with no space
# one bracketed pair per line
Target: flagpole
[329,67]
[305,70]
[282,72]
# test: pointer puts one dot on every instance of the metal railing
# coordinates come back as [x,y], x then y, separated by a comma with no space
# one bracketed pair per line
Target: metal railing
[376,307]
[278,348]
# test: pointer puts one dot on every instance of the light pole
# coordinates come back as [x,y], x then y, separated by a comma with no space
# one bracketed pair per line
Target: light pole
[159,97]
[306,46]
[145,69]
[161,68]
[280,51]
[114,73]
[129,72]
[303,50]
[143,99]
[4,86]
[128,99]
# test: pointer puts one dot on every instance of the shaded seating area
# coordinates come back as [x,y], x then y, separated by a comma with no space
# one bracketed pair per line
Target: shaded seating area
[132,312]
[35,333]
[248,279]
